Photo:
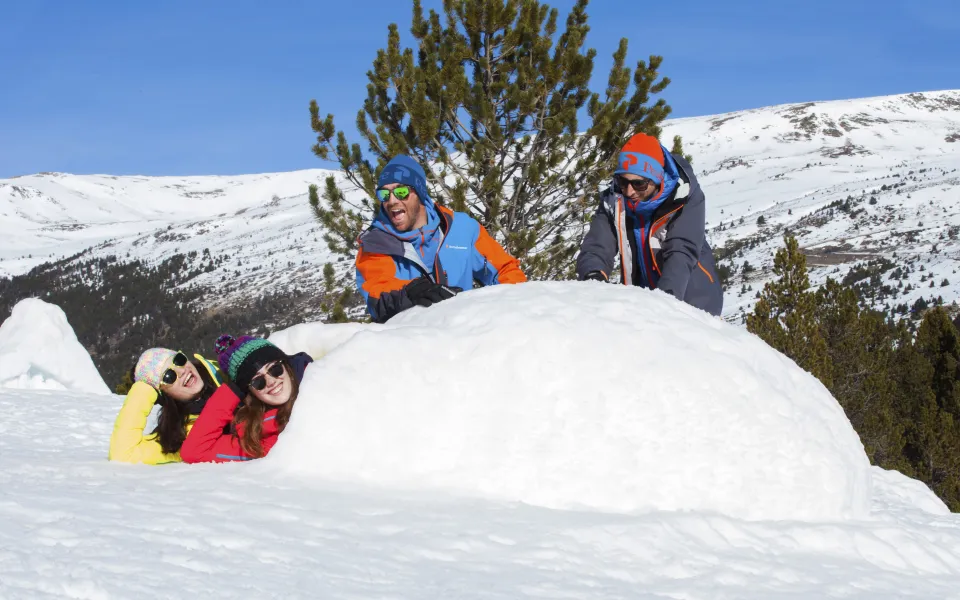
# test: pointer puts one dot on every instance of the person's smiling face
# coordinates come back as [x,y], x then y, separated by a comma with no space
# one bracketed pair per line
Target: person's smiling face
[405,214]
[276,384]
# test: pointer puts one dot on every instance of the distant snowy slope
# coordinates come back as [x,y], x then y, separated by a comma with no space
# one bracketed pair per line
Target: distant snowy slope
[39,350]
[250,221]
[895,157]
[784,163]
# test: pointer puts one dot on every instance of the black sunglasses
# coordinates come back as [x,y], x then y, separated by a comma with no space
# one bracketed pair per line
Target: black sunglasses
[169,376]
[641,185]
[259,382]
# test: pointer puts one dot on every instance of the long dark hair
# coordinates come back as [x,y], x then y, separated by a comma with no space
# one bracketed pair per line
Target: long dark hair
[249,418]
[172,421]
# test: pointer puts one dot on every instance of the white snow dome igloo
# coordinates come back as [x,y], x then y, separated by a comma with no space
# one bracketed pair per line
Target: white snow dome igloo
[39,350]
[578,395]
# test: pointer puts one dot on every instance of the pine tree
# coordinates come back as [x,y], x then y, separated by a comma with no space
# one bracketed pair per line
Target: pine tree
[932,433]
[939,342]
[126,382]
[488,101]
[785,316]
[329,277]
[339,315]
[860,349]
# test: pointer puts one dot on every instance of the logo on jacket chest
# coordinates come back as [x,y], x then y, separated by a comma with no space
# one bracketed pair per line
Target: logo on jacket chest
[452,247]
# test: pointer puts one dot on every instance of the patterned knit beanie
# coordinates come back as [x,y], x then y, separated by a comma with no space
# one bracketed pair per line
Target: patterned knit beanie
[151,365]
[241,358]
[642,155]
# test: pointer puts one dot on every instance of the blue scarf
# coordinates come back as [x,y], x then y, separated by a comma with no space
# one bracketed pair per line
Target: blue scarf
[642,213]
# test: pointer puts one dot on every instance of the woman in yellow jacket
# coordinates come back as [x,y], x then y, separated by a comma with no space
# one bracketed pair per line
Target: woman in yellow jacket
[181,387]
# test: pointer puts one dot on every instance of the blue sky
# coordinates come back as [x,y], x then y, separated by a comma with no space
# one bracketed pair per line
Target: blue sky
[213,87]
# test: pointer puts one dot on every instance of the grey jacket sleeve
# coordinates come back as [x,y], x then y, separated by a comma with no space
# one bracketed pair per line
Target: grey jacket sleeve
[599,247]
[681,248]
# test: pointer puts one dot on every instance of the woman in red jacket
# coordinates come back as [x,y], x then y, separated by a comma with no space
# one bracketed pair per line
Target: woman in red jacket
[243,418]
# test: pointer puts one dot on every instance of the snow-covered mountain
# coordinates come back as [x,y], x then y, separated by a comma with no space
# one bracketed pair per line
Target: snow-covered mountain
[253,221]
[895,158]
[508,469]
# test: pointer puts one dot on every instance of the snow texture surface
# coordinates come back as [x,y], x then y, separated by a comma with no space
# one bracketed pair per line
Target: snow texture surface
[317,339]
[39,350]
[579,395]
[74,525]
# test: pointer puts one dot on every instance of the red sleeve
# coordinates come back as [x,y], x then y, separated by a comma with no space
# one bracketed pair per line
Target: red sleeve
[206,442]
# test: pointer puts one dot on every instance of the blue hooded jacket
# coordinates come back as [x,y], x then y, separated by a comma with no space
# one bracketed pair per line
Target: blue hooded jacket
[452,249]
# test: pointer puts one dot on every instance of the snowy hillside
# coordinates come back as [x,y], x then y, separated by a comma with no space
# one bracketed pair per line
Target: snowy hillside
[544,454]
[896,158]
[253,221]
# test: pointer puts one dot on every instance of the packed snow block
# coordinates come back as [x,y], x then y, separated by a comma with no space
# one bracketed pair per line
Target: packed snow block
[39,350]
[578,396]
[316,339]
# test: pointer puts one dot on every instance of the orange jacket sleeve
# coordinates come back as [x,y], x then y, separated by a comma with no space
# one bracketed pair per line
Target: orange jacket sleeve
[381,288]
[495,264]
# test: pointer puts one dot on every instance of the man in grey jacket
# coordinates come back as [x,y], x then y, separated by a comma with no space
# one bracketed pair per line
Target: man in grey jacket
[653,216]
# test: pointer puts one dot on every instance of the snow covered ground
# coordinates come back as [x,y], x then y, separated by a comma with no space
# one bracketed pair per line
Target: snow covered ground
[300,524]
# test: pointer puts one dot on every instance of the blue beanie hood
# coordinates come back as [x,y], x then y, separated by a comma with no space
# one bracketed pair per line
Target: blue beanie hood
[404,170]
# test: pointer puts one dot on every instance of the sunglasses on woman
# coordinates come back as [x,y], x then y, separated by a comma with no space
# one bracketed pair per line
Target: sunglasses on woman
[170,376]
[641,185]
[259,382]
[401,192]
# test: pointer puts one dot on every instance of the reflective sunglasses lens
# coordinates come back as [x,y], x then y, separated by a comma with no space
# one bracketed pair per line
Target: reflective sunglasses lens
[401,192]
[258,383]
[179,359]
[275,370]
[169,376]
[384,195]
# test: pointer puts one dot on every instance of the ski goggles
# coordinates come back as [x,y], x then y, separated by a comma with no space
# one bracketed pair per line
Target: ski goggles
[401,192]
[259,382]
[170,375]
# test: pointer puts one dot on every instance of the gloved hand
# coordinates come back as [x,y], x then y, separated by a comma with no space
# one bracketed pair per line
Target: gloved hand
[595,276]
[422,291]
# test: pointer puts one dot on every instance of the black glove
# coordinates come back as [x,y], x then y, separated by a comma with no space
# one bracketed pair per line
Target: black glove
[594,276]
[422,291]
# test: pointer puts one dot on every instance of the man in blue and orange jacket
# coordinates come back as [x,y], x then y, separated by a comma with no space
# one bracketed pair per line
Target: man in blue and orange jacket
[416,253]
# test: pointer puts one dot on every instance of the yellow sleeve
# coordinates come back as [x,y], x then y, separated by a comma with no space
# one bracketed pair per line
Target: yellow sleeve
[128,443]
